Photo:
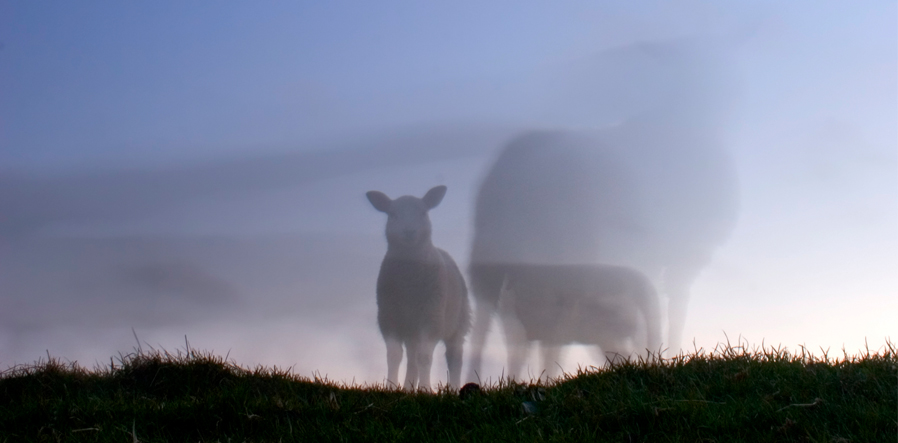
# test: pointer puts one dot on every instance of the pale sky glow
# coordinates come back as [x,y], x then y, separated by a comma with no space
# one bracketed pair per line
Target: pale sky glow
[229,146]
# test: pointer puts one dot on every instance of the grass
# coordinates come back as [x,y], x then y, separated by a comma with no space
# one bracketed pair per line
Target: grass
[728,394]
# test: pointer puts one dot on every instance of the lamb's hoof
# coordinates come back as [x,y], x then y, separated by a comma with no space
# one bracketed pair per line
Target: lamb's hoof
[468,390]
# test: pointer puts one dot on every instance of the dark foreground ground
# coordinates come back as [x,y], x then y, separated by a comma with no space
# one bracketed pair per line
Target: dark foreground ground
[729,394]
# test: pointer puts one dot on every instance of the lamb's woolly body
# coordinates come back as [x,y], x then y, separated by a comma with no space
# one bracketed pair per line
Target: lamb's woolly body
[416,297]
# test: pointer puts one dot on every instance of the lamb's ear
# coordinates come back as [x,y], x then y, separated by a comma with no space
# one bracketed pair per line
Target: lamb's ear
[434,196]
[379,200]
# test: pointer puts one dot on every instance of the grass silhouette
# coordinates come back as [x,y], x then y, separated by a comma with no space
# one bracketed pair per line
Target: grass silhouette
[731,393]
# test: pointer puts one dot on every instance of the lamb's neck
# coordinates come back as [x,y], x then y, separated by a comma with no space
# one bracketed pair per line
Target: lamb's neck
[425,252]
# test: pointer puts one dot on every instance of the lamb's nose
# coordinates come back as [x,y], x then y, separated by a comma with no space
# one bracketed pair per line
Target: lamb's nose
[409,234]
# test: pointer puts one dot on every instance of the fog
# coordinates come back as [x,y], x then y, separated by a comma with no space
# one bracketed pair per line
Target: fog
[199,173]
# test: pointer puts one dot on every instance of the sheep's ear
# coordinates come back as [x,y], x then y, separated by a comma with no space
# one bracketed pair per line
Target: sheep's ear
[434,196]
[379,200]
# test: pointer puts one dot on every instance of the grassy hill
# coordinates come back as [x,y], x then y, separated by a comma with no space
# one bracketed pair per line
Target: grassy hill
[728,394]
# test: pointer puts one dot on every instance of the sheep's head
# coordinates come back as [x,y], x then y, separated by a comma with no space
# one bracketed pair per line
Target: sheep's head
[408,225]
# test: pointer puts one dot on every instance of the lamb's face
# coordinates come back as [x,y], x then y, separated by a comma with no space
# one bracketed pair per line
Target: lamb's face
[407,222]
[408,225]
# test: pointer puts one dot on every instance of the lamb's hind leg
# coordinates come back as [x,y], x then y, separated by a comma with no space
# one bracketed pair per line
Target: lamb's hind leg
[394,357]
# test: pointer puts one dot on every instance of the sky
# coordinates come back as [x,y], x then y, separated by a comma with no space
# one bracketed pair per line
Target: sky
[198,169]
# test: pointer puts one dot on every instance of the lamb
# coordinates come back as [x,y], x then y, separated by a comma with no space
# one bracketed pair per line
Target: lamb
[613,307]
[421,294]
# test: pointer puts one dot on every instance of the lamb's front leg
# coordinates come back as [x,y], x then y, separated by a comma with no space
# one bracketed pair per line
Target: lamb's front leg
[425,361]
[411,373]
[454,353]
[394,357]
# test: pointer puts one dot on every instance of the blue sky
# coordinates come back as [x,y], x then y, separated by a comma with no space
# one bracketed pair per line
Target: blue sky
[108,80]
[88,82]
[92,87]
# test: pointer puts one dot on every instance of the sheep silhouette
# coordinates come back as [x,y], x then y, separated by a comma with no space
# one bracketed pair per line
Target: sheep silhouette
[421,295]
[637,174]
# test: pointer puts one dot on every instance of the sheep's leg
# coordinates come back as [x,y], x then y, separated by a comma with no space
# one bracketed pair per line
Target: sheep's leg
[483,316]
[516,343]
[411,373]
[394,357]
[678,301]
[551,353]
[454,355]
[425,360]
[677,281]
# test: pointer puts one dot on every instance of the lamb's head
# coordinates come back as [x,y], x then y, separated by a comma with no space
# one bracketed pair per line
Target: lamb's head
[408,226]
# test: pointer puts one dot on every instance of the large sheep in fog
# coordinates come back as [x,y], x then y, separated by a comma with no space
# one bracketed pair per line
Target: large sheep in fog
[421,294]
[645,181]
[613,307]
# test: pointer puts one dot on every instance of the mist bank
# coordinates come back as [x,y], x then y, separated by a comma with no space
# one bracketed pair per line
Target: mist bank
[272,252]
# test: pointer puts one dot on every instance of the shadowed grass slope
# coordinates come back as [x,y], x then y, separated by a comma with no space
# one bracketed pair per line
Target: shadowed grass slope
[728,394]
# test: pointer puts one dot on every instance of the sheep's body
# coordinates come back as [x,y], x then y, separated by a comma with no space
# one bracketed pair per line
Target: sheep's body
[613,307]
[422,298]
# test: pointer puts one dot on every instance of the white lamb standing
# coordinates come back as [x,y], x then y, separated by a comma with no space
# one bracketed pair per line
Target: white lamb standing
[613,307]
[421,295]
